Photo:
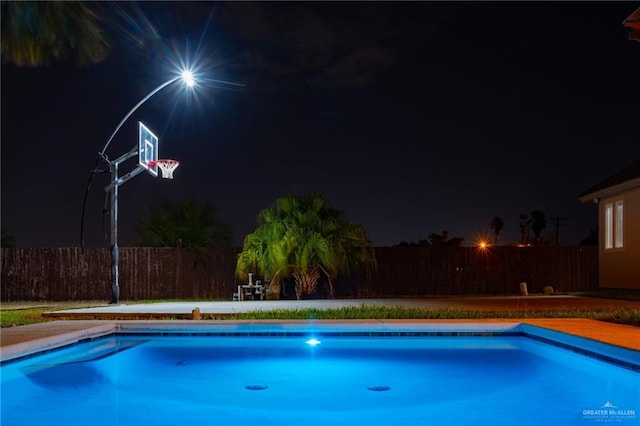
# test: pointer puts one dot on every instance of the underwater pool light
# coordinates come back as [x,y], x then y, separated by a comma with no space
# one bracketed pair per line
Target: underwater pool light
[313,342]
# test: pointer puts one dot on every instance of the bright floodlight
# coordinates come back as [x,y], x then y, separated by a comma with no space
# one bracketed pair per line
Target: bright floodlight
[187,77]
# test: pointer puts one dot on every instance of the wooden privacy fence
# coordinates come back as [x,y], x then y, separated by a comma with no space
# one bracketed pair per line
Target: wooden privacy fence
[430,271]
[145,273]
[57,274]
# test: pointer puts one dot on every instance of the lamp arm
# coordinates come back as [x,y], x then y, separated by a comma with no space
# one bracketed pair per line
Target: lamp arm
[101,155]
[126,117]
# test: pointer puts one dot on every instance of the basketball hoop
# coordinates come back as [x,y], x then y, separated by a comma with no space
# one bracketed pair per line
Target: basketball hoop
[166,166]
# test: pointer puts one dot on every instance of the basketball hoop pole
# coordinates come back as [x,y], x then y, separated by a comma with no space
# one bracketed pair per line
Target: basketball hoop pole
[113,188]
[187,77]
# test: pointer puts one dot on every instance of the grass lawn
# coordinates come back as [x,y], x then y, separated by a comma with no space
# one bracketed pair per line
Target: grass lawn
[611,294]
[14,314]
[614,315]
[10,317]
[23,313]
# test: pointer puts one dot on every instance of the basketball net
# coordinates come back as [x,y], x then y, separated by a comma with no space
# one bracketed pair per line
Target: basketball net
[166,167]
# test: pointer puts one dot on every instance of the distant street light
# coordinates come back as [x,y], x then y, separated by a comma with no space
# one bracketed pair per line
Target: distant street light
[482,244]
[188,79]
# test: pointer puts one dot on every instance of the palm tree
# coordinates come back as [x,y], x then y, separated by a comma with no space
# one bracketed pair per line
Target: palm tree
[497,224]
[182,224]
[304,238]
[538,223]
[34,33]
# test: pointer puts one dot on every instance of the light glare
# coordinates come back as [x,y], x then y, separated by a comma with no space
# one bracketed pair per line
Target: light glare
[482,244]
[187,77]
[313,342]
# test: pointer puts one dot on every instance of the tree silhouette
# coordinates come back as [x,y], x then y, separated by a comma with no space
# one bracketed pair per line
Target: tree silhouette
[497,224]
[538,223]
[443,240]
[8,240]
[35,33]
[591,239]
[182,224]
[434,240]
[525,225]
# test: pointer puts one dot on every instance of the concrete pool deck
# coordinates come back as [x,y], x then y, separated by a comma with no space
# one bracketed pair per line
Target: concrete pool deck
[29,338]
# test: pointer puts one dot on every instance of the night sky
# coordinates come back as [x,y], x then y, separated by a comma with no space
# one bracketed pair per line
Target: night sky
[412,118]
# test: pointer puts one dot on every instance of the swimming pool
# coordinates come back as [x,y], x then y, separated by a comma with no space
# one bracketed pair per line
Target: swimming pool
[352,374]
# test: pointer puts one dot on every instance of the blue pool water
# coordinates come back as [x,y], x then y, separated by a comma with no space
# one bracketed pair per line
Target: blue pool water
[275,379]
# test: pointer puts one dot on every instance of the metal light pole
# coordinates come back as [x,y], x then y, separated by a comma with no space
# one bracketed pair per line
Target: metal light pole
[188,79]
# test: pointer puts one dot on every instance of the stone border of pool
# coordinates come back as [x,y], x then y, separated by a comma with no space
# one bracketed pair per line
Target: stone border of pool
[604,340]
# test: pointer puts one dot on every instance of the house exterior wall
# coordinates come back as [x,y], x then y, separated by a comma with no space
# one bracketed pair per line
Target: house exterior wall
[620,268]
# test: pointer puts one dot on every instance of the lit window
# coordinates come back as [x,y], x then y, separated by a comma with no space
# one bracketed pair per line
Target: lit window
[614,225]
[619,222]
[608,226]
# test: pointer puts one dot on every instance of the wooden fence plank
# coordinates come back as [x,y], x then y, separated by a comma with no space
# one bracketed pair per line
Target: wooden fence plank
[177,273]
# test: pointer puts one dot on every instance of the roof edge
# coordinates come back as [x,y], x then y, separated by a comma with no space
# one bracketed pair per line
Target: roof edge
[609,191]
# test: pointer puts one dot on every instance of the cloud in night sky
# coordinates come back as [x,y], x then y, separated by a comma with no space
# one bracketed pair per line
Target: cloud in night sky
[331,45]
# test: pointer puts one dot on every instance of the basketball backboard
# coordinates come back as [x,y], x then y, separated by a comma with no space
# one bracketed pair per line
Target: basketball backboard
[147,149]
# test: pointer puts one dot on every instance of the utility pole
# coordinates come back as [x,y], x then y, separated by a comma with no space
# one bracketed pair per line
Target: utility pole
[559,221]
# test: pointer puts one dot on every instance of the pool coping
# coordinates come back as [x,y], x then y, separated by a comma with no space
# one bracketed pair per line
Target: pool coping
[608,341]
